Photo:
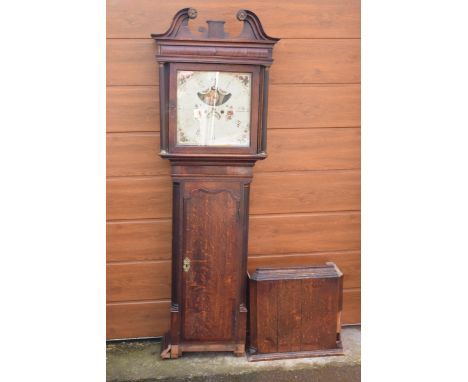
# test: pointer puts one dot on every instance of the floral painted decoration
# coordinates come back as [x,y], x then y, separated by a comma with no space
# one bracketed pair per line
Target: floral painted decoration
[244,79]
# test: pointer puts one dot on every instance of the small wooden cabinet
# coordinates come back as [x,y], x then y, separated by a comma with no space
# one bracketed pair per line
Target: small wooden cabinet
[295,312]
[213,92]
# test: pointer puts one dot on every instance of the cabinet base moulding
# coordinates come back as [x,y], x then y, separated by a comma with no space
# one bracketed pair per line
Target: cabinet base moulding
[252,356]
[174,351]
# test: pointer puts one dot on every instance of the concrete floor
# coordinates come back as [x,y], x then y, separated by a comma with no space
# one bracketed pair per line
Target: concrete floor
[140,361]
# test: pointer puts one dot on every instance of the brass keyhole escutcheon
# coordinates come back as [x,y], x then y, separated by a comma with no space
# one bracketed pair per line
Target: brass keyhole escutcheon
[186,264]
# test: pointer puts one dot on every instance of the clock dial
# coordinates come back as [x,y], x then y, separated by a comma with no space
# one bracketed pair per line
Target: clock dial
[213,108]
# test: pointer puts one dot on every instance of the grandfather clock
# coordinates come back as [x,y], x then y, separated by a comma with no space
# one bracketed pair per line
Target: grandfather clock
[213,98]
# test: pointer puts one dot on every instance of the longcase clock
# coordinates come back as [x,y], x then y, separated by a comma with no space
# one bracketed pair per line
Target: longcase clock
[213,100]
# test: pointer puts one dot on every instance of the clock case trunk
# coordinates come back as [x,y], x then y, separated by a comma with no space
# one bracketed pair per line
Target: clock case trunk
[210,236]
[211,188]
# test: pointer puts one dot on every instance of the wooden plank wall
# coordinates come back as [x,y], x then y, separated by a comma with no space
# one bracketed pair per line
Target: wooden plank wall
[314,107]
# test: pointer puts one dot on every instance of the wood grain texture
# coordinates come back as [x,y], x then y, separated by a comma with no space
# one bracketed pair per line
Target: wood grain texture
[150,197]
[289,315]
[314,108]
[211,286]
[135,154]
[304,233]
[139,319]
[151,280]
[351,306]
[139,198]
[349,263]
[132,62]
[305,192]
[319,301]
[139,281]
[151,318]
[305,106]
[300,18]
[308,302]
[314,149]
[268,235]
[316,61]
[139,240]
[132,108]
[266,330]
[290,107]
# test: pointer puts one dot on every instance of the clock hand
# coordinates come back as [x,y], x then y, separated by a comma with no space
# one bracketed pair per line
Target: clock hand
[213,107]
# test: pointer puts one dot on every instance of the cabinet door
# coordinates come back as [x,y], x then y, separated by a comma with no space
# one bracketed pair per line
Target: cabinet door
[212,257]
[320,303]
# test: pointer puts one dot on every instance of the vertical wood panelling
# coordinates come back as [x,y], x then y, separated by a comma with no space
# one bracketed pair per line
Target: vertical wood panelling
[267,329]
[289,315]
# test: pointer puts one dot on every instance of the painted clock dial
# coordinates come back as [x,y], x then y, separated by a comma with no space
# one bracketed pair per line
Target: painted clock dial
[213,108]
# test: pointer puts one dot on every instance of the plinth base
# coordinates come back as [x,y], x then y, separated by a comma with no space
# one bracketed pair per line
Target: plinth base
[170,351]
[253,356]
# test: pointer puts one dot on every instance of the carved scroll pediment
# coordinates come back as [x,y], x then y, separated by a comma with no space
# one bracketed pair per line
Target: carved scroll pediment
[252,29]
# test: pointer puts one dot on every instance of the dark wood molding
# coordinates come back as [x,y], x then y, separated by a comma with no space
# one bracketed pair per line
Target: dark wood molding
[252,28]
[255,357]
[213,45]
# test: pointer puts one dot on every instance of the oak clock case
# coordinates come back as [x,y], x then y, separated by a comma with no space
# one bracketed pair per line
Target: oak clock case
[213,92]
